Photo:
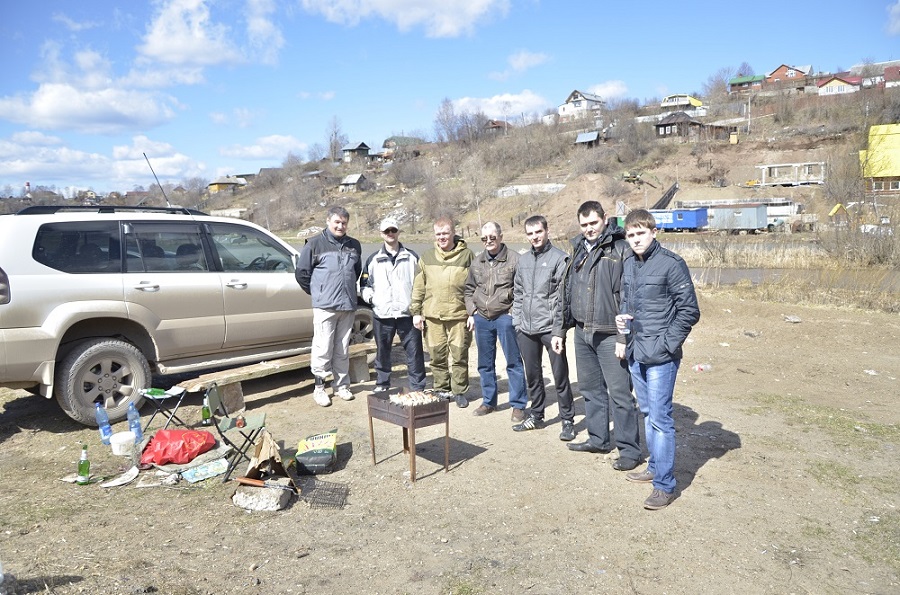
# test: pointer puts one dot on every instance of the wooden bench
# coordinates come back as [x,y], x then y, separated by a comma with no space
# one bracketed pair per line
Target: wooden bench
[230,380]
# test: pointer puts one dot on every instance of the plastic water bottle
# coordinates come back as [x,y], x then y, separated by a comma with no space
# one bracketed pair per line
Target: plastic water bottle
[702,367]
[84,467]
[134,423]
[103,423]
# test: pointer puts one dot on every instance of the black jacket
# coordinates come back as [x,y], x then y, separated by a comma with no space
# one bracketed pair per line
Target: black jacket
[658,291]
[328,270]
[593,283]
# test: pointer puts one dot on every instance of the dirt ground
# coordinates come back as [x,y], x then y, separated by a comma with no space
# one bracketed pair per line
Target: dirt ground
[786,455]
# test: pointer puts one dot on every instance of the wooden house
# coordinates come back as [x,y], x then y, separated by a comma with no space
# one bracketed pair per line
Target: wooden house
[839,85]
[354,183]
[355,151]
[880,162]
[579,105]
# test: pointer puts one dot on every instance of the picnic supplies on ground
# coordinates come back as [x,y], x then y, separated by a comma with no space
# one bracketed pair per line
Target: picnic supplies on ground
[177,446]
[317,453]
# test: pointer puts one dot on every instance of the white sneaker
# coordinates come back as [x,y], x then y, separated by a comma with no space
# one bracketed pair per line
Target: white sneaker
[344,393]
[321,397]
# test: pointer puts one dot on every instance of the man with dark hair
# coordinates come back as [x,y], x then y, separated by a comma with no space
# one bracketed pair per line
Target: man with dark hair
[536,291]
[439,308]
[329,266]
[590,304]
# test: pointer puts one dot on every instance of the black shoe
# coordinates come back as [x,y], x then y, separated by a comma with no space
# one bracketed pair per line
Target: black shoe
[531,423]
[624,465]
[587,447]
[461,401]
[568,431]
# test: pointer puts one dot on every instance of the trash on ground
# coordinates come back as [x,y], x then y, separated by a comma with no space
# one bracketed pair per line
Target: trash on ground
[123,479]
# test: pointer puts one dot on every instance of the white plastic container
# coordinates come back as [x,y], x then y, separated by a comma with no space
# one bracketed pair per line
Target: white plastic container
[122,442]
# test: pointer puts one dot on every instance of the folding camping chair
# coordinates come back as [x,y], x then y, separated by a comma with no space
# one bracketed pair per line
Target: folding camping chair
[239,437]
[166,403]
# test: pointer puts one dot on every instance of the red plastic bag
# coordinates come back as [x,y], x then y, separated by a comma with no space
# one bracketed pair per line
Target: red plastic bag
[177,446]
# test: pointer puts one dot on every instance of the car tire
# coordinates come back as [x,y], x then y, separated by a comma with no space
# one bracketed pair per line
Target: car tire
[108,371]
[364,330]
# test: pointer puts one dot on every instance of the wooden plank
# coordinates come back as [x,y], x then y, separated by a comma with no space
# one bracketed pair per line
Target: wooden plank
[262,369]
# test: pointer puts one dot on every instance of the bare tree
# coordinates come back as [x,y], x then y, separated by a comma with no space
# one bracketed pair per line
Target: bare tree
[316,152]
[716,85]
[445,122]
[336,138]
[744,70]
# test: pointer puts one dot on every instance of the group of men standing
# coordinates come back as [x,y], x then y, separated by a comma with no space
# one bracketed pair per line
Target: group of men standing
[605,290]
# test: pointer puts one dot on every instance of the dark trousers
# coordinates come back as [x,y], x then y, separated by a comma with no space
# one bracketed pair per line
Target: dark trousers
[604,380]
[410,339]
[532,349]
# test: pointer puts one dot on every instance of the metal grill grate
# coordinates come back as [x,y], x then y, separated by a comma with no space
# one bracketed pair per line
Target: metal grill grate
[323,494]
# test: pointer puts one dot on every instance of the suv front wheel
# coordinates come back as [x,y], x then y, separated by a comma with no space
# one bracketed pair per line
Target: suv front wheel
[107,371]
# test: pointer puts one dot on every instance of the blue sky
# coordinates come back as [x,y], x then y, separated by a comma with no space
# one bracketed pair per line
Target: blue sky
[213,87]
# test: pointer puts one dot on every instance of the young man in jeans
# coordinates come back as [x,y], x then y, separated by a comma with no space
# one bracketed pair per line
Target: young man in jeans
[660,307]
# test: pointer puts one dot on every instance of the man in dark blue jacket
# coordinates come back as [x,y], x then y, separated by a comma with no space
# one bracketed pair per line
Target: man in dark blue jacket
[330,264]
[659,308]
[590,303]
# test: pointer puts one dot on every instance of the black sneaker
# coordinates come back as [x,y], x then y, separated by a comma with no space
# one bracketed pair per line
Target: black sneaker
[568,431]
[531,423]
[461,401]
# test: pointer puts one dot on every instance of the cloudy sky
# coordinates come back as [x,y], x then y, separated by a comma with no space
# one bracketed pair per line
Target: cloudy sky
[213,87]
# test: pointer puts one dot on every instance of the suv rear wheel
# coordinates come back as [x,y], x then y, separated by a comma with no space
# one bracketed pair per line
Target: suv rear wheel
[107,371]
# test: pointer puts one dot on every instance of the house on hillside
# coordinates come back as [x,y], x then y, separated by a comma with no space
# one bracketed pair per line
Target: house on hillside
[579,105]
[742,85]
[681,126]
[788,78]
[354,183]
[891,77]
[680,102]
[839,84]
[880,163]
[355,151]
[226,184]
[588,139]
[874,74]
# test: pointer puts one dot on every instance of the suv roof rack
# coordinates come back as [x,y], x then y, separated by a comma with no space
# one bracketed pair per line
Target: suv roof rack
[51,209]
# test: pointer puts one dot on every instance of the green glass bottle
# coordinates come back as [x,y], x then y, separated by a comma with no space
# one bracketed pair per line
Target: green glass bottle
[84,467]
[205,413]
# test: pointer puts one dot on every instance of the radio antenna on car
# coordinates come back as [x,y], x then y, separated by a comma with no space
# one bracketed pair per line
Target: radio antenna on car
[157,181]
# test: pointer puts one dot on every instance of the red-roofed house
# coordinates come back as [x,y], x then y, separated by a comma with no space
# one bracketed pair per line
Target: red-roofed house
[788,77]
[840,84]
[891,77]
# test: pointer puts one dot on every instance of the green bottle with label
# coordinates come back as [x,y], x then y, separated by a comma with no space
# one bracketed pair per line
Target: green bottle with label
[205,413]
[84,467]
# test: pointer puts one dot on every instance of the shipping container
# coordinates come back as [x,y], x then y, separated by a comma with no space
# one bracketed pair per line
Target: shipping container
[745,218]
[680,219]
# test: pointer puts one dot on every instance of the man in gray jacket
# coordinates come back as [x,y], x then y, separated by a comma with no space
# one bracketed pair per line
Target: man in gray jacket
[387,283]
[536,292]
[329,266]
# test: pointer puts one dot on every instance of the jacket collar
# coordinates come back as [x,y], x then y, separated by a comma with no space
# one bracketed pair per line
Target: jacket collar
[502,255]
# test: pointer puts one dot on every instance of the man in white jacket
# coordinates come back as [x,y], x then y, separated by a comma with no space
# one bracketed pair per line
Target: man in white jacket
[386,283]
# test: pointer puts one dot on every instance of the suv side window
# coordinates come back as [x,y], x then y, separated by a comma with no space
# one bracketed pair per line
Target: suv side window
[244,249]
[79,247]
[164,248]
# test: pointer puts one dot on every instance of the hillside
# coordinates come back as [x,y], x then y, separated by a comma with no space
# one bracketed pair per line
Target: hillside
[462,179]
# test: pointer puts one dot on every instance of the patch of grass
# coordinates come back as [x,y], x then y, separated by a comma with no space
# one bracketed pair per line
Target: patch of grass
[464,586]
[833,474]
[838,424]
[878,538]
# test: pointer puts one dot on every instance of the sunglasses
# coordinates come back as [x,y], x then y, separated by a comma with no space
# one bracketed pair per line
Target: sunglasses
[391,230]
[487,239]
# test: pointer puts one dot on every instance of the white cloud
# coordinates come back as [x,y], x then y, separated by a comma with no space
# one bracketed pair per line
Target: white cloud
[58,106]
[276,146]
[609,89]
[265,37]
[140,144]
[73,25]
[893,26]
[33,138]
[507,105]
[439,18]
[520,62]
[241,117]
[182,33]
[323,95]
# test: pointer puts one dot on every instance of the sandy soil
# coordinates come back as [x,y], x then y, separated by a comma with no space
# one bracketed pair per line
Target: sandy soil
[786,452]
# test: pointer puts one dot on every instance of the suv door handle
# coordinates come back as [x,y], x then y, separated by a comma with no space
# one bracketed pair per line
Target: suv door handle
[237,284]
[148,287]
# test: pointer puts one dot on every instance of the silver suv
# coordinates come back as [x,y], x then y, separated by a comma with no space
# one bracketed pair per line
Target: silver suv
[95,299]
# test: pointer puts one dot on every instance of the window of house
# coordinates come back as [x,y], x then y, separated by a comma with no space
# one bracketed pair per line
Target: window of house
[895,184]
[791,73]
[809,170]
[877,185]
[773,172]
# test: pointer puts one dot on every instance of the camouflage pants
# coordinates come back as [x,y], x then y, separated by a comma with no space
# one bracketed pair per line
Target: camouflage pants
[448,344]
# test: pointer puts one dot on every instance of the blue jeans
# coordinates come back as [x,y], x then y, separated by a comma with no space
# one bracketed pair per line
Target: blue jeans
[655,385]
[487,332]
[603,381]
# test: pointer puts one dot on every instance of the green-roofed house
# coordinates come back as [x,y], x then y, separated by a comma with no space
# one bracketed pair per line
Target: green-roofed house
[741,85]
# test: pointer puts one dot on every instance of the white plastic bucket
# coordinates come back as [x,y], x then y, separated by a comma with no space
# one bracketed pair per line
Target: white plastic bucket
[122,442]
